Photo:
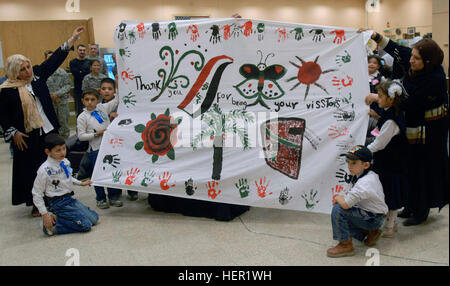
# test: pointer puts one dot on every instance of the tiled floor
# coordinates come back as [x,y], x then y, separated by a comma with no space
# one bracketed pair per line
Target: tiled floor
[136,235]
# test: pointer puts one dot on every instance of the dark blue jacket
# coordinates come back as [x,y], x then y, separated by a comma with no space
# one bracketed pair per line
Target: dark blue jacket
[11,112]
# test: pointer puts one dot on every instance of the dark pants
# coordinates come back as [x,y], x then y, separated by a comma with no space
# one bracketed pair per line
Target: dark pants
[77,100]
[353,222]
[100,191]
[71,215]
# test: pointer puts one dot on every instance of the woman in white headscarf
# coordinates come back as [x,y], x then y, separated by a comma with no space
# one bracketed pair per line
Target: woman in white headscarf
[27,115]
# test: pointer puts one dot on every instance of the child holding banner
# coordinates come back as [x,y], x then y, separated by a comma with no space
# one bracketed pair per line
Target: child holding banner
[91,124]
[107,91]
[54,180]
[390,150]
[361,212]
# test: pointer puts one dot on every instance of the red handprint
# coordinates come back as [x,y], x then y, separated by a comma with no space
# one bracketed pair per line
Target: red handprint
[261,187]
[226,31]
[131,176]
[127,74]
[212,189]
[337,131]
[247,28]
[165,179]
[194,34]
[116,142]
[336,192]
[141,30]
[340,36]
[338,82]
[282,34]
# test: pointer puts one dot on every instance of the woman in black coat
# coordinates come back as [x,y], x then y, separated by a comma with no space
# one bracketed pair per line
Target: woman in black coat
[426,112]
[27,115]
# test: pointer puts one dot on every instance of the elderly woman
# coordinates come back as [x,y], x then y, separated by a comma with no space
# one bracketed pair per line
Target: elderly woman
[426,112]
[27,115]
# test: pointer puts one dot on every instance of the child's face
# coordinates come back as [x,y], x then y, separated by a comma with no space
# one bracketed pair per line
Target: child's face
[384,101]
[58,152]
[90,101]
[107,91]
[357,167]
[373,65]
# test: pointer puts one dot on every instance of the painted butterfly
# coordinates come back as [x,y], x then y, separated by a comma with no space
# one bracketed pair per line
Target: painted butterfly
[261,81]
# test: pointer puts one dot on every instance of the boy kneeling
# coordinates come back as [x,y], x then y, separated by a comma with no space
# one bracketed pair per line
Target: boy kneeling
[55,181]
[362,211]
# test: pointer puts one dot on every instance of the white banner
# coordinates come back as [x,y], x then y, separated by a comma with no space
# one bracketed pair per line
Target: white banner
[238,111]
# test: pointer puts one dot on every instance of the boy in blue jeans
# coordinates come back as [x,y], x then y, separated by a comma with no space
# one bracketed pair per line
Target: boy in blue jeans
[54,180]
[91,124]
[362,211]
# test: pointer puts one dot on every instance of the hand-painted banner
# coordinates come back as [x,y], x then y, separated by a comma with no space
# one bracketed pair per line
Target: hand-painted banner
[239,111]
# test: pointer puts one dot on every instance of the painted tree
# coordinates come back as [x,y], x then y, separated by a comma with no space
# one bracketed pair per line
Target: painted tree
[219,124]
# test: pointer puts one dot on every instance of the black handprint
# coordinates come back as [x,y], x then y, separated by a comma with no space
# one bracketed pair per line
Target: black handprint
[284,197]
[344,177]
[189,185]
[155,31]
[318,34]
[121,34]
[215,36]
[111,160]
[124,122]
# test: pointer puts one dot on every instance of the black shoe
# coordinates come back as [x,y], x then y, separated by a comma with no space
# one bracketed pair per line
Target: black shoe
[405,213]
[413,221]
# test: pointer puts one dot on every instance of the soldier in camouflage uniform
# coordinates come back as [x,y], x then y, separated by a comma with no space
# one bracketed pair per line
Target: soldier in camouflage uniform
[59,85]
[93,79]
[93,55]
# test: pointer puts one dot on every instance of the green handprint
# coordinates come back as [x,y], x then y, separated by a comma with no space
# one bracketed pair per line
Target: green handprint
[116,176]
[298,33]
[173,32]
[243,187]
[310,200]
[132,37]
[260,28]
[148,176]
[129,99]
[125,52]
[343,59]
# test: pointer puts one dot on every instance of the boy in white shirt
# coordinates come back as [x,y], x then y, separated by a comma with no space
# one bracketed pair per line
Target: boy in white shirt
[91,124]
[362,211]
[54,180]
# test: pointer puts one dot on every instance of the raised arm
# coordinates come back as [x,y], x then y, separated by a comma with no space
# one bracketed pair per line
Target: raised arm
[48,67]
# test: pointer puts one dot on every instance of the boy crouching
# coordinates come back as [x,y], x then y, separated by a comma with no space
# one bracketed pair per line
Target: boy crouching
[361,212]
[54,180]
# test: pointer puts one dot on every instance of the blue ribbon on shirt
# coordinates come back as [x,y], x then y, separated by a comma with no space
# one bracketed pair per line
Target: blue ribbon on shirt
[65,169]
[97,116]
